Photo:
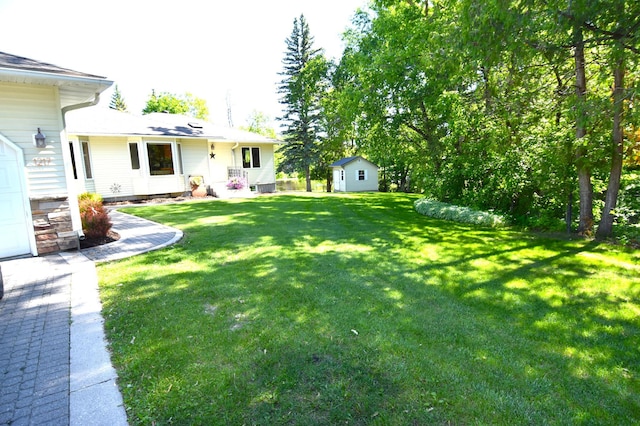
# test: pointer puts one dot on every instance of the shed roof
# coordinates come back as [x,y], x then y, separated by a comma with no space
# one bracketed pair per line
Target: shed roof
[110,122]
[343,162]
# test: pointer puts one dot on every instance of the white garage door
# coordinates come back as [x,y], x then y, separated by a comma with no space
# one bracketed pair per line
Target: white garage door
[14,225]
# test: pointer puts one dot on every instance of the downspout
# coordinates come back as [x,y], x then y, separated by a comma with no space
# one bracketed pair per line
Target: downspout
[76,221]
[233,153]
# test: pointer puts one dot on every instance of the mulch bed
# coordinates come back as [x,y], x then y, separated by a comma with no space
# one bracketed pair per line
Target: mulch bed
[93,242]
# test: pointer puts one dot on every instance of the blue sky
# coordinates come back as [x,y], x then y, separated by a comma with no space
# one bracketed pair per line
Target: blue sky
[217,50]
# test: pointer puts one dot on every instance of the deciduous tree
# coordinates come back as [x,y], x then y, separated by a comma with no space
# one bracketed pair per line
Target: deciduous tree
[172,104]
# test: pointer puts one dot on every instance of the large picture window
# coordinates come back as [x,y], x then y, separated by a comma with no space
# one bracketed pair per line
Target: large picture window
[250,158]
[160,159]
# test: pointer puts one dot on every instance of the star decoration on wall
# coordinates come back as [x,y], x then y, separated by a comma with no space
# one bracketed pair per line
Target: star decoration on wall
[212,155]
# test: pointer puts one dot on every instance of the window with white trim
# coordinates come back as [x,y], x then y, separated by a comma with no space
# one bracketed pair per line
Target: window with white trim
[160,159]
[179,149]
[361,175]
[73,161]
[250,158]
[134,154]
[86,158]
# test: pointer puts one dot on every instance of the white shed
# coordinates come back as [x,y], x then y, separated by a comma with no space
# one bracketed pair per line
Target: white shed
[354,174]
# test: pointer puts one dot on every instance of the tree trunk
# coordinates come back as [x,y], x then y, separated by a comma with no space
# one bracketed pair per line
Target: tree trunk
[307,173]
[584,172]
[605,227]
[329,176]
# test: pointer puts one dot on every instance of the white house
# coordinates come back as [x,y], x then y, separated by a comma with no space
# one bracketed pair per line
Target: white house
[125,156]
[38,205]
[354,174]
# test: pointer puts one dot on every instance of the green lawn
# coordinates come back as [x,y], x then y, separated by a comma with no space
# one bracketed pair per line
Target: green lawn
[326,309]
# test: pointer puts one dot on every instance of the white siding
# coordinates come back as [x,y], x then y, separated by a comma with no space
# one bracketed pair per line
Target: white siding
[24,109]
[224,159]
[351,181]
[195,159]
[266,172]
[111,166]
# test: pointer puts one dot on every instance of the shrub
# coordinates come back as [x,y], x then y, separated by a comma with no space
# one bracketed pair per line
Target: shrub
[440,210]
[94,217]
[89,197]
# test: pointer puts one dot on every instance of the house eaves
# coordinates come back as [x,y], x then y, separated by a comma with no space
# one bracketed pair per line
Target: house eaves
[109,122]
[74,87]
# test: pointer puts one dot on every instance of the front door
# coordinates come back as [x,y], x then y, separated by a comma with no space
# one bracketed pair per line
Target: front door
[14,222]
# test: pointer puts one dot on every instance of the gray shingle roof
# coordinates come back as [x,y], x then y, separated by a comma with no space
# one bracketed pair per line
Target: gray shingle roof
[344,161]
[10,61]
[107,121]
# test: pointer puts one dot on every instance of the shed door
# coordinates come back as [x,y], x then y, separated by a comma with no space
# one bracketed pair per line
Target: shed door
[336,180]
[14,226]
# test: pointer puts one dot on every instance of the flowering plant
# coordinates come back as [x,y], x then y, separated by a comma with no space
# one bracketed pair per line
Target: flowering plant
[236,183]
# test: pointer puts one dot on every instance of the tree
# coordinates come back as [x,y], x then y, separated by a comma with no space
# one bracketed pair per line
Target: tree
[258,123]
[302,88]
[172,104]
[117,101]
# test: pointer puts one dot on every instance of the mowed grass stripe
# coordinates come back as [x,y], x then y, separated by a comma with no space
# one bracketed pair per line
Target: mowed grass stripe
[296,309]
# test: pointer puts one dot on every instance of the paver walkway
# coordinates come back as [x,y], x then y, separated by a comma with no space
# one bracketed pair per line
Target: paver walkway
[34,342]
[54,365]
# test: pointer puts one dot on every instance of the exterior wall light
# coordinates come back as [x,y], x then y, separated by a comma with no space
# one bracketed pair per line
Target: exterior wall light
[40,139]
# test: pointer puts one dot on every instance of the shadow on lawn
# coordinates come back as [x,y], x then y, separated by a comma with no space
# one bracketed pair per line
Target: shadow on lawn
[359,310]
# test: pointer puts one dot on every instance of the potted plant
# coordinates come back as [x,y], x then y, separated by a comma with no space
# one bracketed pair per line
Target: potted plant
[197,187]
[236,183]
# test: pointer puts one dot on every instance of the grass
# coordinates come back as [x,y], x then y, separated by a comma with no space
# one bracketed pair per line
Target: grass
[355,309]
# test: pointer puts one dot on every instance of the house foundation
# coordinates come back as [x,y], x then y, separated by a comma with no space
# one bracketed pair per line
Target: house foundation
[52,225]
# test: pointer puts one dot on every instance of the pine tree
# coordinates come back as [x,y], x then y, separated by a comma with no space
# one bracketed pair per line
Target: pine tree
[304,83]
[117,101]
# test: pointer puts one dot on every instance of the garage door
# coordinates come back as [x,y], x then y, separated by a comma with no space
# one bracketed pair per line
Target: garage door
[14,224]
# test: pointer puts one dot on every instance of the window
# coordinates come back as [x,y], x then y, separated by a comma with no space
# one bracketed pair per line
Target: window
[341,174]
[251,158]
[362,175]
[73,161]
[135,156]
[160,159]
[179,159]
[87,160]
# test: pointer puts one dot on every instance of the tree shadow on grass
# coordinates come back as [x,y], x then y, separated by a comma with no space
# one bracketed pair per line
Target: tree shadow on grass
[346,302]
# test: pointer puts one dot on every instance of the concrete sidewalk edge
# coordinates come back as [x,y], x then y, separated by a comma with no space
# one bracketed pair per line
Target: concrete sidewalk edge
[94,395]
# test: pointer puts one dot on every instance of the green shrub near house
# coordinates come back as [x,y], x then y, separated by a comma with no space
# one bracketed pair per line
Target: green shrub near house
[93,215]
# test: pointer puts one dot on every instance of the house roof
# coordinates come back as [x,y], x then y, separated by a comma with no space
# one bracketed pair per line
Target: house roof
[8,60]
[75,87]
[110,122]
[343,162]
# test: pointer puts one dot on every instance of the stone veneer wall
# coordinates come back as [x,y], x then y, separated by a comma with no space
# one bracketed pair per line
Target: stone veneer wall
[52,225]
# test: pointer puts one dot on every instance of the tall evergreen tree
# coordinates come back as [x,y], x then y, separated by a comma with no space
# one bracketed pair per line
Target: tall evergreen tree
[304,83]
[117,101]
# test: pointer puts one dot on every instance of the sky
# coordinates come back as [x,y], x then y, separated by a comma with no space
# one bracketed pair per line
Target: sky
[228,52]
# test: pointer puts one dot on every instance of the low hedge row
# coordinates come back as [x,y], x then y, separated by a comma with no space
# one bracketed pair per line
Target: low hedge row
[440,210]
